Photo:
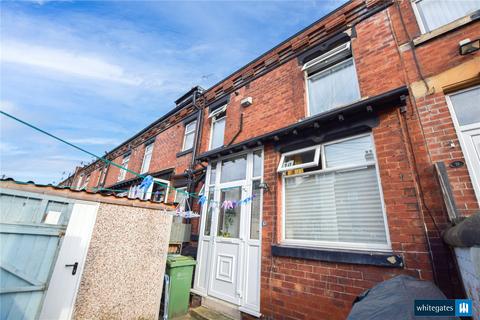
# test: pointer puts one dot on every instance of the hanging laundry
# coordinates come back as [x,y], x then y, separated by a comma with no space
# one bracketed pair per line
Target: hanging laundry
[227,204]
[147,181]
[202,200]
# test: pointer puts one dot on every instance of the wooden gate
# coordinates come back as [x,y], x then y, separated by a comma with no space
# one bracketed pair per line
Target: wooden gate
[31,230]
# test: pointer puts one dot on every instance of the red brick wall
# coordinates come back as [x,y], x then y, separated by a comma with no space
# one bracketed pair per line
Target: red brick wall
[166,146]
[376,56]
[430,116]
[278,101]
[407,145]
[113,172]
[93,182]
[279,97]
[406,150]
[304,289]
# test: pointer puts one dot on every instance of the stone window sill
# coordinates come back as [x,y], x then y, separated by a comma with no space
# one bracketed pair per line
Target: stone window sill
[446,28]
[382,259]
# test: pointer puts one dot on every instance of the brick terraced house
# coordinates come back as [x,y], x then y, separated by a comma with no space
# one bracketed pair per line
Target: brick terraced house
[341,133]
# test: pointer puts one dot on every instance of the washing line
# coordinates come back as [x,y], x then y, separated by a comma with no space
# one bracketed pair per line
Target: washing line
[93,155]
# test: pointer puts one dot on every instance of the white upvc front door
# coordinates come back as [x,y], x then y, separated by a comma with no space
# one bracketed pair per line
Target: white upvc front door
[229,243]
[465,109]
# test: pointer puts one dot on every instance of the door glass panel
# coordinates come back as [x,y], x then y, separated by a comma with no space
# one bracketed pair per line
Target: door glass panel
[255,211]
[210,208]
[234,169]
[257,163]
[229,218]
[466,106]
[213,173]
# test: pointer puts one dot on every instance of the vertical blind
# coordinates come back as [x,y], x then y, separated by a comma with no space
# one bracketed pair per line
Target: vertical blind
[436,13]
[218,131]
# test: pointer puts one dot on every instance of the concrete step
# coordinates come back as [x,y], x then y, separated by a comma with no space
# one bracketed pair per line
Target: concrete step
[202,313]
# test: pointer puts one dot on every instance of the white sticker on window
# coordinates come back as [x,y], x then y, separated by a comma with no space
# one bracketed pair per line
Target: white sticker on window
[52,217]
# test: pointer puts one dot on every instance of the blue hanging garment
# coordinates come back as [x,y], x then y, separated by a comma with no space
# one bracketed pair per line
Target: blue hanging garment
[147,181]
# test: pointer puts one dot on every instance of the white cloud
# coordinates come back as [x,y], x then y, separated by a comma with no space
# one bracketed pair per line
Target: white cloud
[11,149]
[64,61]
[8,106]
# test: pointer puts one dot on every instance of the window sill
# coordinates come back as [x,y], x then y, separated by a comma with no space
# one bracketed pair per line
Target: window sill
[184,152]
[382,259]
[446,28]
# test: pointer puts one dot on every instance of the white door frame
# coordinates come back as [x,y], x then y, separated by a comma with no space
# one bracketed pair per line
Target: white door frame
[207,244]
[63,287]
[473,169]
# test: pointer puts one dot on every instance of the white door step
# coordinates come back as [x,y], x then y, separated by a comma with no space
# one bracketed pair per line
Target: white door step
[221,306]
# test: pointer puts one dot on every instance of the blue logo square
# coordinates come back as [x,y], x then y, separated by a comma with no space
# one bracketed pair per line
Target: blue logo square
[463,308]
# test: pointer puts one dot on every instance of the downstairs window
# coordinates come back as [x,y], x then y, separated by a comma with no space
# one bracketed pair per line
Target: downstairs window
[337,202]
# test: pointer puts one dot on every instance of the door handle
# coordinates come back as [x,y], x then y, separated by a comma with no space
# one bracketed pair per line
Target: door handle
[74,267]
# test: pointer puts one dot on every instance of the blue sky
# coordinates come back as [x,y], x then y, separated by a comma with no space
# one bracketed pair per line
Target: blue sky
[95,73]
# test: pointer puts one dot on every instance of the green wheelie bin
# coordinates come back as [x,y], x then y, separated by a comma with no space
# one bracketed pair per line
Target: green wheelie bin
[180,271]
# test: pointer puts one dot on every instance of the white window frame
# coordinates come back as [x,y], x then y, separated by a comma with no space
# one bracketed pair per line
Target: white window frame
[310,64]
[421,23]
[188,132]
[123,172]
[418,16]
[177,193]
[311,164]
[458,130]
[214,118]
[150,152]
[339,245]
[217,111]
[218,185]
[326,56]
[149,194]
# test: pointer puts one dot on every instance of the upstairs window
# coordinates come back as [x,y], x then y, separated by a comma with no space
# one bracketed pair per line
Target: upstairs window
[147,158]
[123,172]
[218,117]
[432,14]
[331,80]
[189,137]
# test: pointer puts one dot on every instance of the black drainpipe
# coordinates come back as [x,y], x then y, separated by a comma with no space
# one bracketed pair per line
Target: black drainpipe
[239,130]
[198,130]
